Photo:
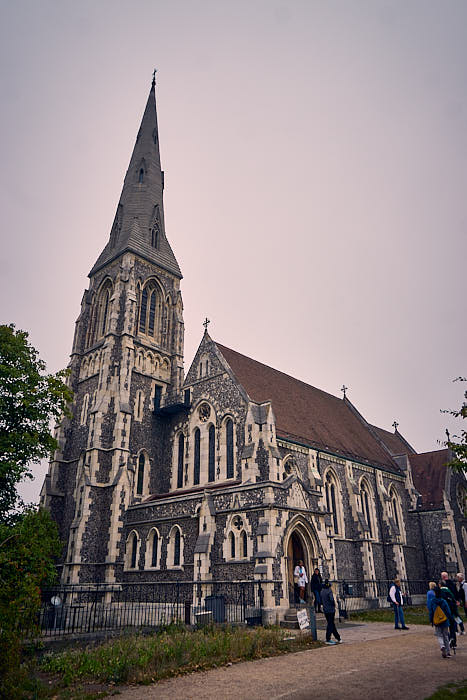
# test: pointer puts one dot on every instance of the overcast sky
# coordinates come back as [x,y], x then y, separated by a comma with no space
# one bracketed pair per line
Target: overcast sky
[315,158]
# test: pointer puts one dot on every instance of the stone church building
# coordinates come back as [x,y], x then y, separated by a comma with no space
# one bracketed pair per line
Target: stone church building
[236,470]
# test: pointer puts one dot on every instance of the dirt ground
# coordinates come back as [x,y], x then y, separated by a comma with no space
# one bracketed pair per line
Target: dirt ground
[375,661]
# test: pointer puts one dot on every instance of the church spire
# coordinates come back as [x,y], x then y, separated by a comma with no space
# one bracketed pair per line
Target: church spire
[139,221]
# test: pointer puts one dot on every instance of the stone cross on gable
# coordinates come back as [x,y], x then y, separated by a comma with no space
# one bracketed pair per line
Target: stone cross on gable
[344,389]
[395,425]
[206,324]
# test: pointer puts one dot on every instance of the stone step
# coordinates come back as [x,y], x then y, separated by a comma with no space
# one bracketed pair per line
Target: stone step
[289,625]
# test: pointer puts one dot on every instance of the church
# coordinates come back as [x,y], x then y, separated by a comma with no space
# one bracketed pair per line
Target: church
[234,471]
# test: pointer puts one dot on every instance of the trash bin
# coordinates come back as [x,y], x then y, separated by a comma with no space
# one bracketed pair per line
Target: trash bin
[216,603]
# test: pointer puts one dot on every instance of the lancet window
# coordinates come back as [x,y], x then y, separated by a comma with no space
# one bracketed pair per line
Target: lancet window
[229,447]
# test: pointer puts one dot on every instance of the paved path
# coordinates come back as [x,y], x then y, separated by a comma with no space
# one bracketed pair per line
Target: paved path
[375,661]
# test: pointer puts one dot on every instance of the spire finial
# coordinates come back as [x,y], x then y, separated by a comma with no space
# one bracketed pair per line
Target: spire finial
[206,324]
[153,84]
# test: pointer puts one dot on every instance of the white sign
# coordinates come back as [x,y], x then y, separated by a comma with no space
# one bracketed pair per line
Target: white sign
[303,621]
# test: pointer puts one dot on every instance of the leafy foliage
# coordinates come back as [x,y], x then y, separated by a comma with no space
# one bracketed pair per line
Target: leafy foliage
[29,399]
[26,564]
[146,659]
[458,443]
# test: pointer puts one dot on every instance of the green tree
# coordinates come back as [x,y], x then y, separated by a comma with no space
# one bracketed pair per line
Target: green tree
[27,549]
[458,443]
[29,399]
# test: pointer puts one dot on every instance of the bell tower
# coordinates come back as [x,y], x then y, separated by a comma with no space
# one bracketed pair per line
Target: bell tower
[127,359]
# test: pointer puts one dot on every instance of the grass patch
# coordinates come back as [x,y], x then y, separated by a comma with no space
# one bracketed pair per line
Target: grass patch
[92,671]
[449,691]
[413,615]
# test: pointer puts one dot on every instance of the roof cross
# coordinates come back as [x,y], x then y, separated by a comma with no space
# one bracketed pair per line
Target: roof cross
[206,324]
[395,425]
[344,389]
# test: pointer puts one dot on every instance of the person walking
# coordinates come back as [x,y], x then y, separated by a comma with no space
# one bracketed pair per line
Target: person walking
[301,579]
[430,593]
[395,594]
[446,594]
[316,588]
[450,584]
[329,609]
[440,615]
[462,591]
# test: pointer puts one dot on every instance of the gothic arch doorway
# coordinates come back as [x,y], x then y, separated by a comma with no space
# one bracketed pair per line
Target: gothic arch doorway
[300,544]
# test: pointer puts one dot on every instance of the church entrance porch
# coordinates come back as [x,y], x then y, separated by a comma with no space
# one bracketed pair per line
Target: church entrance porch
[300,547]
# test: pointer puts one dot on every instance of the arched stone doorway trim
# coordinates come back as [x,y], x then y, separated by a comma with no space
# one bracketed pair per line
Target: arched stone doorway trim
[300,542]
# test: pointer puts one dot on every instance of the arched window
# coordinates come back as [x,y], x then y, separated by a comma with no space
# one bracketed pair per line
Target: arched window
[152,314]
[177,547]
[211,453]
[143,311]
[141,175]
[132,550]
[154,549]
[331,501]
[395,511]
[197,453]
[149,311]
[99,317]
[232,545]
[140,478]
[84,409]
[139,405]
[364,495]
[244,542]
[181,450]
[105,311]
[155,236]
[229,447]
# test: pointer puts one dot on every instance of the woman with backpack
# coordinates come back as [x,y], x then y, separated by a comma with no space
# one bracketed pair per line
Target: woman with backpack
[440,617]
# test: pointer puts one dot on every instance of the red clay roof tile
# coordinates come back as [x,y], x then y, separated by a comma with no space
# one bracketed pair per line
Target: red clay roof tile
[306,414]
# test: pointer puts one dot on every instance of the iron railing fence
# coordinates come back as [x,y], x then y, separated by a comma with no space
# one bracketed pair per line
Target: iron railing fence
[81,609]
[355,596]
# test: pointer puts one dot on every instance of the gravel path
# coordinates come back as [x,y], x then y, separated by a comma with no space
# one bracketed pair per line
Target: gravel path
[375,661]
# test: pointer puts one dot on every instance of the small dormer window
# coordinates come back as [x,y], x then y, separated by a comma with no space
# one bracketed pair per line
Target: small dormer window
[155,237]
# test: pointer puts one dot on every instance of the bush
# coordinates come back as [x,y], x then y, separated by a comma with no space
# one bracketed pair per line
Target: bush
[26,564]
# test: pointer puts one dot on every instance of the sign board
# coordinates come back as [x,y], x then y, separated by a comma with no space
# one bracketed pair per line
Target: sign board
[303,621]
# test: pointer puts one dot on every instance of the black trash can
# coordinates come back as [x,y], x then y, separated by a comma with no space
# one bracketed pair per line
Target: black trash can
[216,603]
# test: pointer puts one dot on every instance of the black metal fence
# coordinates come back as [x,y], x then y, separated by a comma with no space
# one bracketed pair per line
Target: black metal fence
[355,596]
[79,609]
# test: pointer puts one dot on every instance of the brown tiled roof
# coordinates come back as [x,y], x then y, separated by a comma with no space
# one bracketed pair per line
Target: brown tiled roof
[396,444]
[306,414]
[429,476]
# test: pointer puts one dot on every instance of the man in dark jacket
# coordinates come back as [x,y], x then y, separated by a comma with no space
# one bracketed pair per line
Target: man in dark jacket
[329,609]
[446,594]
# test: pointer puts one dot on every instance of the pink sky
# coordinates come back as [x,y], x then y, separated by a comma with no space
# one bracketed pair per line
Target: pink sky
[315,156]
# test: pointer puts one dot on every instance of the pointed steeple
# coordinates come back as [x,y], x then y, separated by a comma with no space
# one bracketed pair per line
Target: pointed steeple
[139,222]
